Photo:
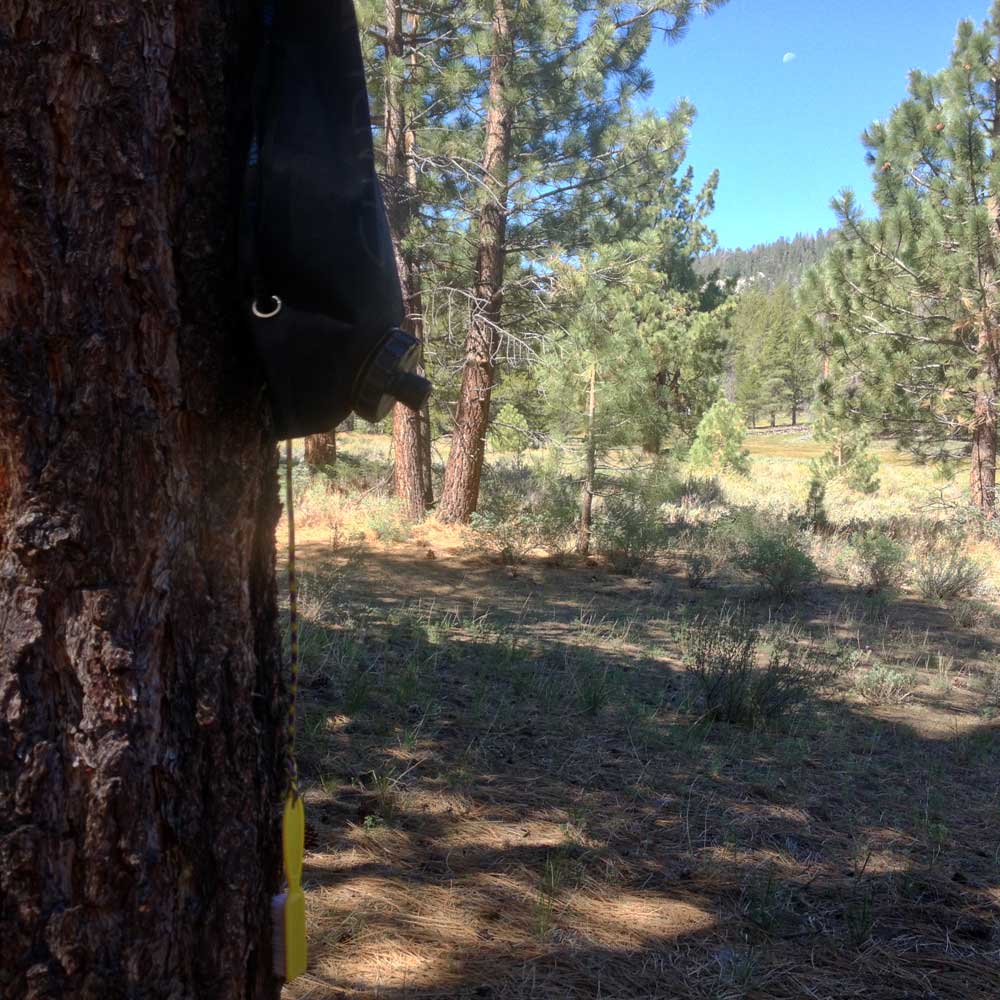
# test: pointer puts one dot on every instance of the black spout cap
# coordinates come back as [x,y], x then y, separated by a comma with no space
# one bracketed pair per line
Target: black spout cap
[388,377]
[410,389]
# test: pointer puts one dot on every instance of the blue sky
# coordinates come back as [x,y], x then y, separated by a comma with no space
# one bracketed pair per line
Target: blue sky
[784,132]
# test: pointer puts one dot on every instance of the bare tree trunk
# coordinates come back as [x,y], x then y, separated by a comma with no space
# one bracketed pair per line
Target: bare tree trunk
[400,185]
[321,449]
[140,712]
[983,472]
[427,467]
[468,441]
[652,441]
[589,469]
[795,413]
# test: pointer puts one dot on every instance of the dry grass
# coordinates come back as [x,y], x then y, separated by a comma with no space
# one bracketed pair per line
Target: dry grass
[510,793]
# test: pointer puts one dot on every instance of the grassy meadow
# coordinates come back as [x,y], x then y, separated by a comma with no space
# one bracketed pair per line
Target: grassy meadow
[732,753]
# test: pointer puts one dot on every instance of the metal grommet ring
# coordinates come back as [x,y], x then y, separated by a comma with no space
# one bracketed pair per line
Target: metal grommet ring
[266,315]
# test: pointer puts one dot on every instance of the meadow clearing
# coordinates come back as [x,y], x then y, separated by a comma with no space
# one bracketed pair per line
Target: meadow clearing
[697,769]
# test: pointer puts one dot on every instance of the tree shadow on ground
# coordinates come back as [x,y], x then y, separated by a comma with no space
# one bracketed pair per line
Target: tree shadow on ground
[511,808]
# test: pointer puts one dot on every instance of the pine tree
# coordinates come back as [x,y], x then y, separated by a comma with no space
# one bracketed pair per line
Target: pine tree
[908,304]
[749,331]
[569,90]
[141,722]
[775,360]
[621,321]
[847,456]
[766,266]
[412,59]
[718,443]
[321,449]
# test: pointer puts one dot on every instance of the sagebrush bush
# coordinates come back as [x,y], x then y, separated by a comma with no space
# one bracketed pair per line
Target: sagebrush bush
[721,660]
[990,687]
[769,548]
[503,520]
[523,508]
[694,492]
[972,614]
[942,572]
[629,528]
[703,557]
[882,685]
[879,562]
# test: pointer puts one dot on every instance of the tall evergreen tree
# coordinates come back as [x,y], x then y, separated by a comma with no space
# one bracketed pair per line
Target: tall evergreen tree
[775,362]
[560,131]
[751,383]
[141,722]
[624,328]
[908,305]
[414,95]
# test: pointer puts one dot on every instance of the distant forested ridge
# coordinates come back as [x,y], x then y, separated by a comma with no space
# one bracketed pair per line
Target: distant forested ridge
[768,265]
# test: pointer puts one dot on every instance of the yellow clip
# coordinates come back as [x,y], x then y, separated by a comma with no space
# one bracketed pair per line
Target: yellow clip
[293,841]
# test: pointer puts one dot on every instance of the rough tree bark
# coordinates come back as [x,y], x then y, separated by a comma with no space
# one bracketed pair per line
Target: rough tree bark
[983,472]
[408,451]
[460,493]
[321,449]
[140,711]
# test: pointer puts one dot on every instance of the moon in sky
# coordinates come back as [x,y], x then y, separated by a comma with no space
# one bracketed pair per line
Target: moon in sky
[788,57]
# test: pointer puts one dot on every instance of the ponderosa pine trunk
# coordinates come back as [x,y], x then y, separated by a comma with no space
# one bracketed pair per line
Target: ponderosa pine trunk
[464,468]
[589,470]
[140,702]
[983,470]
[321,449]
[408,452]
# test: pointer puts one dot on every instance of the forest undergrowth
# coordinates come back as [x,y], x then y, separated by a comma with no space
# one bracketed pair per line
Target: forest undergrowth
[741,750]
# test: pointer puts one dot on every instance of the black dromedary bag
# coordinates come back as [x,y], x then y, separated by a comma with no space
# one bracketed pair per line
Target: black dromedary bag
[320,280]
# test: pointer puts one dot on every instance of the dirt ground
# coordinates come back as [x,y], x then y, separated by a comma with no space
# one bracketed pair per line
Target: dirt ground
[510,793]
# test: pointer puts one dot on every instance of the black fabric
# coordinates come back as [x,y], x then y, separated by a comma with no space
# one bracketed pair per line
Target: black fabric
[310,364]
[315,228]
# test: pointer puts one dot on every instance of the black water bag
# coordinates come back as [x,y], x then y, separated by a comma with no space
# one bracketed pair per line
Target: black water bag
[320,280]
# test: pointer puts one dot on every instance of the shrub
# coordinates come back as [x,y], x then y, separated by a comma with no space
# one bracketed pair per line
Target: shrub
[882,685]
[383,517]
[702,557]
[770,549]
[554,506]
[816,516]
[509,430]
[718,442]
[972,614]
[990,687]
[694,492]
[721,661]
[879,562]
[942,572]
[503,521]
[522,508]
[628,528]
